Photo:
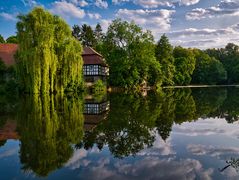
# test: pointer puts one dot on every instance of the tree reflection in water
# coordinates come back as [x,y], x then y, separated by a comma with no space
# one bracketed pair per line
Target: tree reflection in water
[51,126]
[48,127]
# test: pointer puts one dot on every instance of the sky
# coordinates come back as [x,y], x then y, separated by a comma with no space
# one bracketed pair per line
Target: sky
[189,23]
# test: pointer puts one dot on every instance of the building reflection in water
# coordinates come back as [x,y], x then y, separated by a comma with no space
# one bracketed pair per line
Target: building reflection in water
[95,111]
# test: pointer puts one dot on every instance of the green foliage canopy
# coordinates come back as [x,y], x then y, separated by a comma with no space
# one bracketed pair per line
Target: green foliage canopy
[12,39]
[208,70]
[164,55]
[49,58]
[129,51]
[85,35]
[184,64]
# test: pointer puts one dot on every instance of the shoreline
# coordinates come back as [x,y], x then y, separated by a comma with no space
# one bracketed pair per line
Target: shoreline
[199,86]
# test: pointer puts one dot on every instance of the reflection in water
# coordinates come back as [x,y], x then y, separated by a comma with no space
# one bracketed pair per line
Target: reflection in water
[127,129]
[95,111]
[48,127]
[53,128]
[232,162]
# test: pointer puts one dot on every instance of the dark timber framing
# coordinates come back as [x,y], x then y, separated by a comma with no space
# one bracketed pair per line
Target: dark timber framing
[94,67]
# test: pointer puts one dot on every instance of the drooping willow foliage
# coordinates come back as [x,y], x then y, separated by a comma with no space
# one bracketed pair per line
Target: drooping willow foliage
[49,58]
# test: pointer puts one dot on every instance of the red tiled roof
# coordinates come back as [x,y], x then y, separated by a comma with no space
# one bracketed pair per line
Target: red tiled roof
[90,56]
[7,52]
[90,51]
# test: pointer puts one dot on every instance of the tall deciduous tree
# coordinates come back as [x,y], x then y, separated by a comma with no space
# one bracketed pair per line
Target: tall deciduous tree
[99,36]
[229,56]
[164,55]
[49,58]
[85,34]
[208,70]
[130,54]
[230,60]
[184,64]
[98,33]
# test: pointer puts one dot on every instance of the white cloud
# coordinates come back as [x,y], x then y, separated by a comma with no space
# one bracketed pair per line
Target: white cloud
[101,4]
[81,3]
[8,153]
[94,15]
[160,147]
[224,8]
[199,149]
[157,3]
[155,20]
[205,37]
[29,3]
[119,1]
[200,32]
[67,10]
[188,2]
[7,16]
[148,167]
[77,159]
[105,24]
[207,127]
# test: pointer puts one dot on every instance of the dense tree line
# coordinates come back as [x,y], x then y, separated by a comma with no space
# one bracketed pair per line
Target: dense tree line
[135,59]
[10,39]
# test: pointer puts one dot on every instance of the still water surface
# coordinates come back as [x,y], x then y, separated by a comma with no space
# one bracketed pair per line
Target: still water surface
[175,134]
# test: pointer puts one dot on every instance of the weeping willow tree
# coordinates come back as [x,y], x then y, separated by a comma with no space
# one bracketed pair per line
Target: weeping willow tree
[49,58]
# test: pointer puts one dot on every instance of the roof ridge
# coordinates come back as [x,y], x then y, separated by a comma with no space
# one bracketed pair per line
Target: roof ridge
[95,51]
[90,51]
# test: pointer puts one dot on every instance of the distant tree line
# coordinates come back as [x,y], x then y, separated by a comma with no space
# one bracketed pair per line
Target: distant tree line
[10,39]
[134,58]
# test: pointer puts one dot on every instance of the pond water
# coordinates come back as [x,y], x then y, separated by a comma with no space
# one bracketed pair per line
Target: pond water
[174,134]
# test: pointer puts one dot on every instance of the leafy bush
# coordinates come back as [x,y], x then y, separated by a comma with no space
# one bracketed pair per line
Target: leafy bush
[99,87]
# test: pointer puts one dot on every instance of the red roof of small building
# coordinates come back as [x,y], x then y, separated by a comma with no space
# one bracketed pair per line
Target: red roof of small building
[90,56]
[7,52]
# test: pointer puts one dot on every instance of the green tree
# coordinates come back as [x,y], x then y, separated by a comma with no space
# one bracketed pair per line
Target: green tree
[98,32]
[12,39]
[208,70]
[185,64]
[230,60]
[229,56]
[2,39]
[164,55]
[49,58]
[99,36]
[129,51]
[85,35]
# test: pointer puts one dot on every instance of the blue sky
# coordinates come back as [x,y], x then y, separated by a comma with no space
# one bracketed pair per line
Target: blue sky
[189,23]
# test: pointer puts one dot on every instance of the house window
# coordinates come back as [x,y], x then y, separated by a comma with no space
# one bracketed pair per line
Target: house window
[91,70]
[92,109]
